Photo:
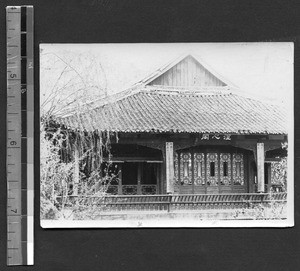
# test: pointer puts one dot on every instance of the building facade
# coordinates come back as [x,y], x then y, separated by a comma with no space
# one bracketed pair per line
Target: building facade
[186,130]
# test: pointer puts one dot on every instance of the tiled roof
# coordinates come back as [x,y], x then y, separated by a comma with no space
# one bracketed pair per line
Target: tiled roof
[159,110]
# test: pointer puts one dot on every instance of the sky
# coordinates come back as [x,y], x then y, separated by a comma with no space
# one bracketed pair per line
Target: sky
[264,70]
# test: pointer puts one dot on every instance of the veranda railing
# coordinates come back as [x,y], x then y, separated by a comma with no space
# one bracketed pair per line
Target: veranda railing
[171,203]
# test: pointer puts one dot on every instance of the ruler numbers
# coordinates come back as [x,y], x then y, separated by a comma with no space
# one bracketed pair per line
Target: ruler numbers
[19,178]
[14,253]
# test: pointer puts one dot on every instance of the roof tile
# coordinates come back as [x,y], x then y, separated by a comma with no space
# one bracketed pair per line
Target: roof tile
[184,112]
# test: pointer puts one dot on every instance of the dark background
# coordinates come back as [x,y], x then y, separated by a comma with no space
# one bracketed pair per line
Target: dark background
[100,21]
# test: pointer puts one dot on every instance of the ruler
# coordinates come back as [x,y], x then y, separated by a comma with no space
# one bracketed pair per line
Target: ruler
[20,98]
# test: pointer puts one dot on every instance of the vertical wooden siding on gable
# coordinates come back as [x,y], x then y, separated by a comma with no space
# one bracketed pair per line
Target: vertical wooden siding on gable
[187,73]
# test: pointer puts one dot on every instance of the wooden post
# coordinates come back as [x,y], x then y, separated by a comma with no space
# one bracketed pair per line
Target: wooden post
[76,172]
[170,167]
[269,177]
[139,178]
[260,168]
[120,167]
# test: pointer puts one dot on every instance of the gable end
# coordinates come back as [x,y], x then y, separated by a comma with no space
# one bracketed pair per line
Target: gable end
[187,73]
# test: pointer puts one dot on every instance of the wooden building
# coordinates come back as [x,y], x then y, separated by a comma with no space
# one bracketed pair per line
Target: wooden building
[187,130]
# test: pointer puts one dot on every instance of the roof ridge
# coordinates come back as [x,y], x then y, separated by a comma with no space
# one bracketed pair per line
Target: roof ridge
[221,90]
[213,90]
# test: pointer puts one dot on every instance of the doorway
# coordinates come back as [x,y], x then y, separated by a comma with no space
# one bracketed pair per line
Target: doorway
[139,178]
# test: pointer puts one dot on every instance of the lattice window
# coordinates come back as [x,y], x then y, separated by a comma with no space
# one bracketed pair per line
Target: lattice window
[278,173]
[225,169]
[199,171]
[238,169]
[212,171]
[186,168]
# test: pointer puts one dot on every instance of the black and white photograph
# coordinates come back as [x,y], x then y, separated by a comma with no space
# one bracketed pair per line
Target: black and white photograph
[166,135]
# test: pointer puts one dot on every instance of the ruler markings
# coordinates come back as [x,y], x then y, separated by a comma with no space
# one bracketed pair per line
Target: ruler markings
[30,129]
[20,201]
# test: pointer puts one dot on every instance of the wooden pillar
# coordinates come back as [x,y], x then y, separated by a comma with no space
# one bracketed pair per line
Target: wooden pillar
[260,168]
[269,177]
[139,178]
[169,167]
[120,168]
[76,172]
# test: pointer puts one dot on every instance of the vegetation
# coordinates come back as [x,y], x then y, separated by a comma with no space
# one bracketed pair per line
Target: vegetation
[66,89]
